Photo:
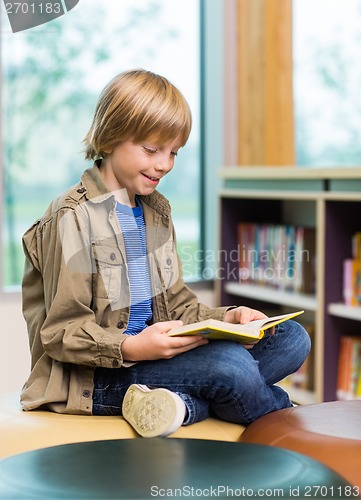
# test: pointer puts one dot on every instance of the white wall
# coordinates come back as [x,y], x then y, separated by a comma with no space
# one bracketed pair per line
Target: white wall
[15,354]
[15,357]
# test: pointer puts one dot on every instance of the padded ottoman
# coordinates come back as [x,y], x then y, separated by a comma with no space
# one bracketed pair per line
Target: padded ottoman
[328,432]
[22,431]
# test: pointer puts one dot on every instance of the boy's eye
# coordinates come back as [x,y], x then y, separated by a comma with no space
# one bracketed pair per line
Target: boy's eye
[149,150]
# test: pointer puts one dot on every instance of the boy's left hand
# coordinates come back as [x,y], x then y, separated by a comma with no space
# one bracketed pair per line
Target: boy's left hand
[243,315]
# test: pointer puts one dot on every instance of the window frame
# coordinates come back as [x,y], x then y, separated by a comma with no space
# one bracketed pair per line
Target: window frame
[213,135]
[3,293]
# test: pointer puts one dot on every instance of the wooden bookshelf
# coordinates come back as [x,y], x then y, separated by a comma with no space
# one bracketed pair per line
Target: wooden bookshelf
[327,199]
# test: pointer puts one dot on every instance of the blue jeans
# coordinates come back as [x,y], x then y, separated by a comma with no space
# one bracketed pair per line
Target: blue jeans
[221,378]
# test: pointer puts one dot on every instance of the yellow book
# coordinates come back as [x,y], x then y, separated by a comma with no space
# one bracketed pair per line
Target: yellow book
[220,330]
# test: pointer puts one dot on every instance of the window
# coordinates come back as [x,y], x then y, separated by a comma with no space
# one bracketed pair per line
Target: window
[51,79]
[327,80]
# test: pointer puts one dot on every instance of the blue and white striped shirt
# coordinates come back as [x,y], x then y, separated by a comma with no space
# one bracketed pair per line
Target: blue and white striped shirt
[132,224]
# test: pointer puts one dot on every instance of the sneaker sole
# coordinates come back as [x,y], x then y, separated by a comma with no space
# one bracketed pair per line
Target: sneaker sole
[152,412]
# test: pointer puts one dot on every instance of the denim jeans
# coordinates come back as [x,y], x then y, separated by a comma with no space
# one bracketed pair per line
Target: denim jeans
[222,378]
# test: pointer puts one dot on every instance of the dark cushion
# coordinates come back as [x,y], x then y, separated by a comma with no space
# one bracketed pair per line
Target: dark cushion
[161,467]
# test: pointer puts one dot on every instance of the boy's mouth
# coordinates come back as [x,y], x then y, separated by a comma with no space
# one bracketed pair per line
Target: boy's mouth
[153,179]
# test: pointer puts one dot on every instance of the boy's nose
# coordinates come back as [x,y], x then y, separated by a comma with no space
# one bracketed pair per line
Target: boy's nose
[165,164]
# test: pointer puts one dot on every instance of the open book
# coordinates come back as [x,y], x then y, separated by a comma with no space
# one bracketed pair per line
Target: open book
[220,330]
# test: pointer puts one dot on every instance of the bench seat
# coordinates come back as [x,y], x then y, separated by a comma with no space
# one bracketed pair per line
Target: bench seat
[22,431]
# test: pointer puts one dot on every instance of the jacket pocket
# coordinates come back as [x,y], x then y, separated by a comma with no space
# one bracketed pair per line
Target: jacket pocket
[169,264]
[108,268]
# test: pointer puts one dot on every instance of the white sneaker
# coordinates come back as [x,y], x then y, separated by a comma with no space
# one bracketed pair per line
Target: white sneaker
[153,412]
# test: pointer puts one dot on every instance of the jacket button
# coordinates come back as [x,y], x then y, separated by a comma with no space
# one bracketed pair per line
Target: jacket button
[86,394]
[81,190]
[120,324]
[169,261]
[115,363]
[113,256]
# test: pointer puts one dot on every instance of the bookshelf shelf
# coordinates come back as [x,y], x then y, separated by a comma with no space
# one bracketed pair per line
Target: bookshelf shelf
[267,294]
[328,200]
[286,173]
[342,311]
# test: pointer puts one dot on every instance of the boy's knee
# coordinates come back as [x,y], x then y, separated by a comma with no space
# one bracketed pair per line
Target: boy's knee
[304,337]
[302,341]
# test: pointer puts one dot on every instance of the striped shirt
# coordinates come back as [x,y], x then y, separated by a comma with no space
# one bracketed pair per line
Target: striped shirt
[132,224]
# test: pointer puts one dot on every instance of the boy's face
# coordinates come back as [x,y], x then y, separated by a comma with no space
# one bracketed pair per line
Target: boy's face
[139,167]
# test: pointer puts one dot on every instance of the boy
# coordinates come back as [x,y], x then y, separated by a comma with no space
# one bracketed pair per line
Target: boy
[102,287]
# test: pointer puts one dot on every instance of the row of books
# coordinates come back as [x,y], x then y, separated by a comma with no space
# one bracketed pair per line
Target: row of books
[349,368]
[280,256]
[352,274]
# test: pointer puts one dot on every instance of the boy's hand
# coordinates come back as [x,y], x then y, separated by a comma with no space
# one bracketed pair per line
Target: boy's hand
[243,315]
[154,343]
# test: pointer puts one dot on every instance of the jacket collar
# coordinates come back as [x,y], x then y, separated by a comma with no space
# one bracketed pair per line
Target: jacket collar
[97,191]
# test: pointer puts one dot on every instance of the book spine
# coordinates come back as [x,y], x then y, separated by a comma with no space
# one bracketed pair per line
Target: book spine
[341,389]
[356,282]
[347,281]
[355,366]
[349,368]
[351,279]
[358,387]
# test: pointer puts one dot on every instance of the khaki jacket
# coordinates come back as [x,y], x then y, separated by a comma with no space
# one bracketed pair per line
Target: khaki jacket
[76,291]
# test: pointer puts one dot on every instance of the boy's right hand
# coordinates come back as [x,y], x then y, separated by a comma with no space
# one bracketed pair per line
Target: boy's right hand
[153,343]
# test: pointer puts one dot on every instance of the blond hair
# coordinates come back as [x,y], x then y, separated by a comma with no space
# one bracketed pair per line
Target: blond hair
[137,105]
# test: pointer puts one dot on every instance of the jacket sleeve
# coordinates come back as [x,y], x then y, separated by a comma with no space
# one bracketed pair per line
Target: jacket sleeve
[58,296]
